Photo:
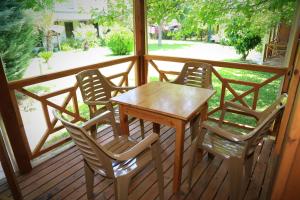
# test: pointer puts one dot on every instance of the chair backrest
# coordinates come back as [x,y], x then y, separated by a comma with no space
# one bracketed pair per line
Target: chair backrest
[266,121]
[93,86]
[93,153]
[196,74]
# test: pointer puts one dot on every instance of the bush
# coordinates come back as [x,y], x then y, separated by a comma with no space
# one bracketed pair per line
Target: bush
[65,46]
[70,44]
[86,34]
[46,55]
[120,42]
[101,42]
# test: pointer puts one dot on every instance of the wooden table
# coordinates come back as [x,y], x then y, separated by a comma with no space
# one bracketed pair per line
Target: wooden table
[168,104]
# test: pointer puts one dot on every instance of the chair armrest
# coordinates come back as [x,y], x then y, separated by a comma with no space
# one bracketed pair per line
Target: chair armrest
[224,133]
[136,149]
[95,120]
[242,108]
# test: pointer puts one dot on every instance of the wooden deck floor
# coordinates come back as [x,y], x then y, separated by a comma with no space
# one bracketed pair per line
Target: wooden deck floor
[62,177]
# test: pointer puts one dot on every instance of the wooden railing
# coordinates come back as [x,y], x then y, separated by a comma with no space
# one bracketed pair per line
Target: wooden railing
[53,127]
[254,87]
[52,124]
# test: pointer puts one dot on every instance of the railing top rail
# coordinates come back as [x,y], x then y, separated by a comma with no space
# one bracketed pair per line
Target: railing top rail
[251,67]
[68,72]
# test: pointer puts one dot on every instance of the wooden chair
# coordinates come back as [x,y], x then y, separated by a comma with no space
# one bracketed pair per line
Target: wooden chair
[196,74]
[237,146]
[96,91]
[119,160]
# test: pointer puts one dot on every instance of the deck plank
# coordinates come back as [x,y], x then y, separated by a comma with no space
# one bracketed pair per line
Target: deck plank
[62,177]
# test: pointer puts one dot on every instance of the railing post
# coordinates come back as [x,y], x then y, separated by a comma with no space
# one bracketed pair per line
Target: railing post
[291,53]
[13,125]
[140,33]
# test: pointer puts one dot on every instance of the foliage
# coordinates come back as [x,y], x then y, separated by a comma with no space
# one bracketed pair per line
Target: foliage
[46,55]
[120,41]
[38,5]
[243,36]
[16,41]
[43,26]
[65,46]
[118,12]
[87,34]
[161,12]
[70,44]
[101,42]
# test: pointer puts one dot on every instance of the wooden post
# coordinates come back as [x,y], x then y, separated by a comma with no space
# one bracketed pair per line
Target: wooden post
[293,77]
[290,56]
[140,34]
[14,126]
[8,171]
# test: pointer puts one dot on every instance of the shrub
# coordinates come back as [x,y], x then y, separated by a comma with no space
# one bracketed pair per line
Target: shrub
[87,34]
[46,55]
[120,42]
[65,46]
[101,42]
[70,44]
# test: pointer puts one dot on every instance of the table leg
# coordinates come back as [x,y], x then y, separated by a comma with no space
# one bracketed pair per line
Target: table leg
[179,142]
[156,128]
[123,120]
[204,112]
[195,123]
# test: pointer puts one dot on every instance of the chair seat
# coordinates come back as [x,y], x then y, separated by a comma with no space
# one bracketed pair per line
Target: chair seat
[121,144]
[222,146]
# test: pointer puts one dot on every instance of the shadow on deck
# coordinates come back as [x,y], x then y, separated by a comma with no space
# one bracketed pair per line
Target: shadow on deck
[62,177]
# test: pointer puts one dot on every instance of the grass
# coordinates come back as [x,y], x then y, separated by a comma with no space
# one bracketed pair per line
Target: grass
[237,60]
[165,47]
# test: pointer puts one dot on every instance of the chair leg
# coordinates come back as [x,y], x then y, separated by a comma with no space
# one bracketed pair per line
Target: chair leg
[159,171]
[121,188]
[89,178]
[142,128]
[235,172]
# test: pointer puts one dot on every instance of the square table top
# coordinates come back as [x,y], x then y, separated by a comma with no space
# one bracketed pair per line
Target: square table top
[178,101]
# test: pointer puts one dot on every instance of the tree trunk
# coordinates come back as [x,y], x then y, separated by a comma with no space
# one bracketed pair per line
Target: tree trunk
[160,32]
[244,56]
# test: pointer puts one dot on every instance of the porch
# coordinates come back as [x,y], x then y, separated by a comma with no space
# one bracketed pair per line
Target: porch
[62,177]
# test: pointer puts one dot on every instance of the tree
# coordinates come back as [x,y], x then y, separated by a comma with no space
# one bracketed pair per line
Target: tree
[161,12]
[246,21]
[43,26]
[16,41]
[242,36]
[117,12]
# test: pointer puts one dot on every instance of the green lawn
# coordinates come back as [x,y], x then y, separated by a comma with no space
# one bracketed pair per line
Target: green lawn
[155,47]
